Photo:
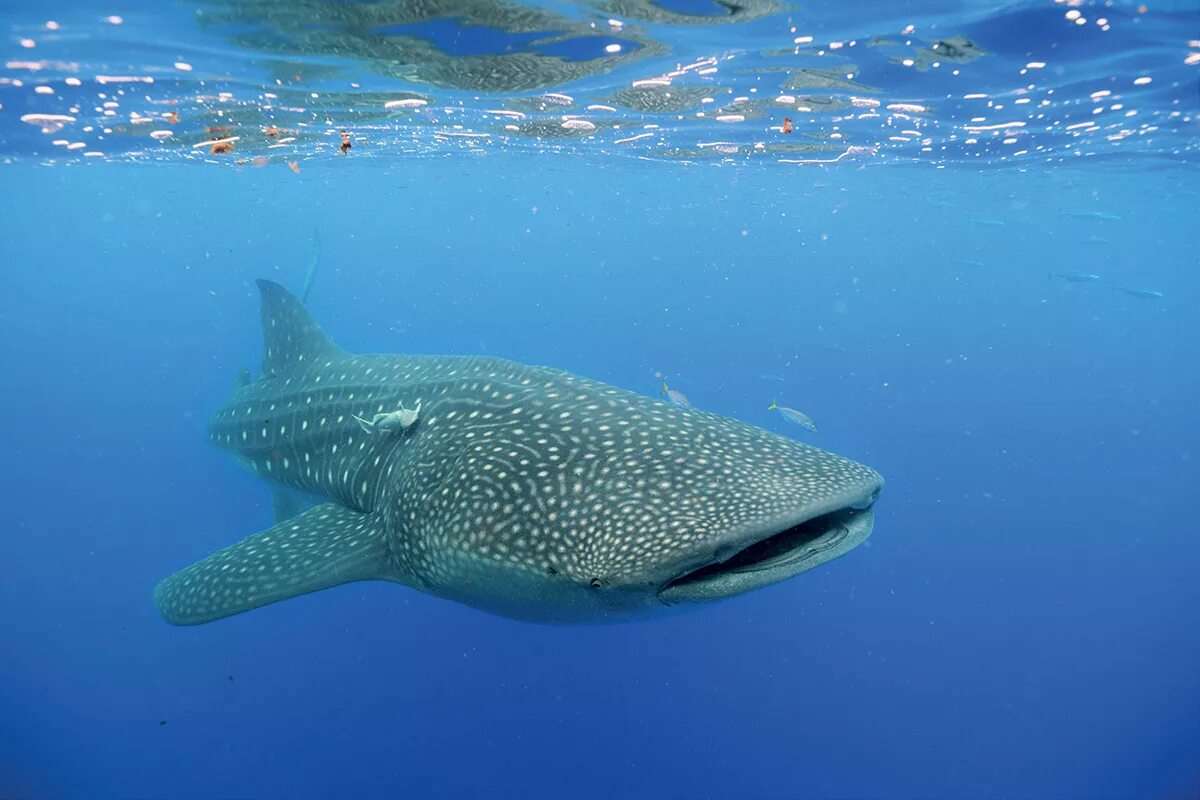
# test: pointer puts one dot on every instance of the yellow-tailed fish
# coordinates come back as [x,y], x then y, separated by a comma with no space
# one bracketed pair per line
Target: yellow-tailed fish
[792,415]
[675,396]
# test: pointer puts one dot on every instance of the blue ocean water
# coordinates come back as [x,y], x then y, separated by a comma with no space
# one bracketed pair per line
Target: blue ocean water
[1023,621]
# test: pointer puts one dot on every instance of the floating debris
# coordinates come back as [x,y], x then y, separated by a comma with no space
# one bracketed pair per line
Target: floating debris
[544,61]
[218,146]
[581,125]
[49,123]
[502,112]
[406,102]
[556,129]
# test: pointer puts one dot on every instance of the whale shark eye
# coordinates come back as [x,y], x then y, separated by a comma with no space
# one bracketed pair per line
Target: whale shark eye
[551,570]
[596,583]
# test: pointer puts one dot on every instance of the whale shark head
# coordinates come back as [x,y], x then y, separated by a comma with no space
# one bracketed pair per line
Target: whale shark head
[573,500]
[525,491]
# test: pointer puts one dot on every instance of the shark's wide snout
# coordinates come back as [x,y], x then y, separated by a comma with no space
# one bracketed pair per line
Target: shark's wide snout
[773,553]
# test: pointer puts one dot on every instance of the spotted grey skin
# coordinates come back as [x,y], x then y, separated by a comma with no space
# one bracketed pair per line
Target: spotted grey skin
[525,491]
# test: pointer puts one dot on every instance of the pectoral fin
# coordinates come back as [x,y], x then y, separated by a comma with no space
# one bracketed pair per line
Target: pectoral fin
[288,503]
[323,547]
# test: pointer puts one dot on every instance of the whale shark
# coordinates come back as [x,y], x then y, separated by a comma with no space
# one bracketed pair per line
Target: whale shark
[520,490]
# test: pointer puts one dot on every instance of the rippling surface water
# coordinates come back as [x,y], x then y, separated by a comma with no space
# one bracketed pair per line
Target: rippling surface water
[956,242]
[939,83]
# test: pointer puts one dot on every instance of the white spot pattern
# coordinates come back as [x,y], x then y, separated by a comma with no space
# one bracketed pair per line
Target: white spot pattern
[536,471]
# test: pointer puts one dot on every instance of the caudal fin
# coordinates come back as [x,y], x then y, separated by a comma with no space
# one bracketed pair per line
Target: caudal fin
[323,547]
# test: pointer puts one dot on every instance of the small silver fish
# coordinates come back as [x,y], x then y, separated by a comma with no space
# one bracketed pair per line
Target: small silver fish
[1074,276]
[1149,294]
[794,416]
[675,396]
[771,376]
[1102,216]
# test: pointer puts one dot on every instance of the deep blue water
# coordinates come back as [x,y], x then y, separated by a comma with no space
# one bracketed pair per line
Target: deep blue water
[1022,623]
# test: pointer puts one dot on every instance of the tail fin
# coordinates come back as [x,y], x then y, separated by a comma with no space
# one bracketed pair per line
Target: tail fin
[773,405]
[291,337]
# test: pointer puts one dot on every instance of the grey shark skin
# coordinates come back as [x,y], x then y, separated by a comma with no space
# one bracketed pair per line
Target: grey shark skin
[524,491]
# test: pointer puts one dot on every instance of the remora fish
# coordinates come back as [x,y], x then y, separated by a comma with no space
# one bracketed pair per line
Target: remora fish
[524,491]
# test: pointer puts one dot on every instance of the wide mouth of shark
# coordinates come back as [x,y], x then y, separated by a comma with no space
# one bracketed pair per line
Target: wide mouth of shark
[778,555]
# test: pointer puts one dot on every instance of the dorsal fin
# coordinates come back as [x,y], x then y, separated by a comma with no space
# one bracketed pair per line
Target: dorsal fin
[292,339]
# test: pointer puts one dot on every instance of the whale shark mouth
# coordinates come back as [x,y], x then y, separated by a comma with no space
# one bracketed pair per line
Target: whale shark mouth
[773,558]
